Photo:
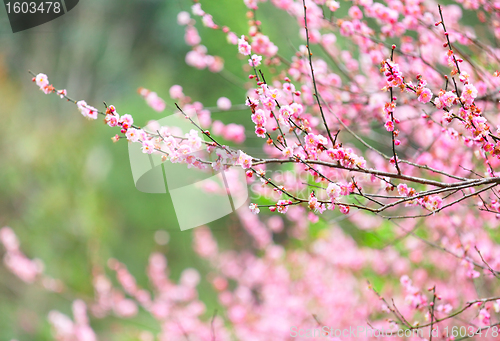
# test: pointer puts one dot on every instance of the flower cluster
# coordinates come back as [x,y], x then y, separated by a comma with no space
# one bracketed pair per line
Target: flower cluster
[324,121]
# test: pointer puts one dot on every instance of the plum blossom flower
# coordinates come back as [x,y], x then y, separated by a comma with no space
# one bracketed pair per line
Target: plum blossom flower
[425,95]
[183,18]
[148,147]
[244,47]
[196,9]
[261,44]
[191,37]
[355,13]
[255,60]
[126,121]
[332,5]
[132,135]
[251,102]
[176,92]
[208,21]
[254,208]
[288,87]
[42,80]
[244,160]
[445,99]
[297,109]
[112,120]
[252,4]
[439,103]
[87,110]
[344,209]
[153,100]
[333,191]
[223,103]
[313,203]
[311,140]
[260,131]
[259,117]
[403,189]
[469,93]
[484,317]
[433,202]
[62,93]
[346,28]
[282,206]
[285,113]
[287,152]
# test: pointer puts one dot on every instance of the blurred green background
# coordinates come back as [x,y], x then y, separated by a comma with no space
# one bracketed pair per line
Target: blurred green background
[65,188]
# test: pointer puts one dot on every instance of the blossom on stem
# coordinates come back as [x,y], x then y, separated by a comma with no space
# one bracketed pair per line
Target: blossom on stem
[42,80]
[333,191]
[254,208]
[425,95]
[255,60]
[244,47]
[87,110]
[244,160]
[469,93]
[148,147]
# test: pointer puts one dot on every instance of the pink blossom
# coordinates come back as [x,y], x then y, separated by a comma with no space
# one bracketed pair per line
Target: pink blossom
[176,92]
[259,117]
[332,5]
[208,21]
[243,46]
[87,110]
[192,37]
[484,317]
[260,131]
[287,152]
[333,191]
[153,100]
[403,190]
[148,147]
[469,93]
[62,93]
[232,38]
[346,28]
[112,120]
[344,209]
[132,135]
[183,18]
[196,9]
[283,205]
[223,103]
[254,208]
[288,87]
[425,96]
[355,13]
[42,80]
[255,60]
[262,45]
[252,4]
[234,132]
[244,160]
[389,125]
[126,121]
